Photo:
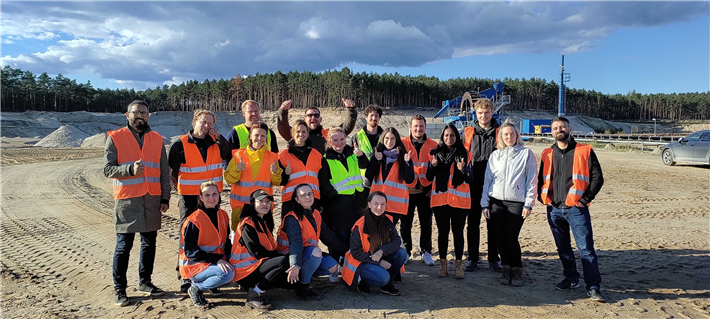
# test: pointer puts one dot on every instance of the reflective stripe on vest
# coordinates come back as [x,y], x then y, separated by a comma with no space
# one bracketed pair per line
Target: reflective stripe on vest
[345,181]
[128,152]
[301,173]
[397,192]
[459,197]
[580,174]
[309,235]
[195,171]
[210,240]
[243,136]
[242,189]
[244,263]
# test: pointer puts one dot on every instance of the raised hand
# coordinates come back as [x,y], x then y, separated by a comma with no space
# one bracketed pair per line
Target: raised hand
[214,133]
[288,168]
[138,167]
[241,166]
[274,167]
[378,155]
[357,151]
[286,105]
[348,102]
[408,156]
[460,164]
[434,161]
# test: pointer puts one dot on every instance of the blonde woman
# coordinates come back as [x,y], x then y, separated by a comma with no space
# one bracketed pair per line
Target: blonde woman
[509,192]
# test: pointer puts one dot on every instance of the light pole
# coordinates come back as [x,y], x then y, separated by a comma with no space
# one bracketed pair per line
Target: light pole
[654,126]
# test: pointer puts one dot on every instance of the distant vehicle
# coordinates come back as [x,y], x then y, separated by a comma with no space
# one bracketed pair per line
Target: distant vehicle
[692,149]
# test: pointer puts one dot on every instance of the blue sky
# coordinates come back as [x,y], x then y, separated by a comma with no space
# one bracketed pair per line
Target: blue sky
[611,47]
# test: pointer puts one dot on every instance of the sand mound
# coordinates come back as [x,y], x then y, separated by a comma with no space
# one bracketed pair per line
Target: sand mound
[64,136]
[96,141]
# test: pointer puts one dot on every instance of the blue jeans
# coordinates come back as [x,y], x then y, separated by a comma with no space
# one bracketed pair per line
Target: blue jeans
[212,277]
[561,220]
[315,266]
[377,276]
[122,252]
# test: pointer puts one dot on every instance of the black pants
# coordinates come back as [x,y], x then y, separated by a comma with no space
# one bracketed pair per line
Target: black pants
[422,202]
[124,243]
[508,220]
[187,204]
[271,273]
[447,216]
[473,231]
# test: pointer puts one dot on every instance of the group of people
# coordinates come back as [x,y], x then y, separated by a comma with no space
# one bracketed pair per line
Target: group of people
[351,195]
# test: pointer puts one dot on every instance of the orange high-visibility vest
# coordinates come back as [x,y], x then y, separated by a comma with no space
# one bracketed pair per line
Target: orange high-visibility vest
[580,174]
[129,152]
[350,264]
[468,133]
[301,173]
[244,263]
[246,185]
[195,171]
[421,159]
[459,197]
[397,190]
[325,133]
[309,235]
[211,240]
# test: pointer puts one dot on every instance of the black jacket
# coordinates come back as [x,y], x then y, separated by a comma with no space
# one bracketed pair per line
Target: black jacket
[562,162]
[192,234]
[295,247]
[250,239]
[482,145]
[387,249]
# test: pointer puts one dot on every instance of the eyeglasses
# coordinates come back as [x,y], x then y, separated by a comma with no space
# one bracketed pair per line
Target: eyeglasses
[313,115]
[306,195]
[141,113]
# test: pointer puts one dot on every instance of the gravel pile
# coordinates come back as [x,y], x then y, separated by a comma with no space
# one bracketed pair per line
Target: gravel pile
[64,136]
[96,141]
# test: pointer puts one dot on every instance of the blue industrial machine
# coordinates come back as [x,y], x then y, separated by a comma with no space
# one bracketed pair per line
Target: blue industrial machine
[460,109]
[535,126]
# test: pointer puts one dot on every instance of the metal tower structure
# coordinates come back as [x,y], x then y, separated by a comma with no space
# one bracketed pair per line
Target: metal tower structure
[564,77]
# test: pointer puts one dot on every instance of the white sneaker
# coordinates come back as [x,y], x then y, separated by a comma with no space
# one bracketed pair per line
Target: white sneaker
[426,258]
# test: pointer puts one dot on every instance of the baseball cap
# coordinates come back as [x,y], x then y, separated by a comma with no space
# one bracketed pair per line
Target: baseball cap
[260,194]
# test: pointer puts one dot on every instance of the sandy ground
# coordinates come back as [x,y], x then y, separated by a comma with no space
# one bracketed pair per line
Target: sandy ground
[651,227]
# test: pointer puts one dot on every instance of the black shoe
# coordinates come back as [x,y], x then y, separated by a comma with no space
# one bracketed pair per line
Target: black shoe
[185,285]
[495,266]
[472,266]
[197,298]
[305,292]
[215,292]
[566,284]
[389,289]
[121,299]
[256,301]
[149,289]
[596,295]
[363,287]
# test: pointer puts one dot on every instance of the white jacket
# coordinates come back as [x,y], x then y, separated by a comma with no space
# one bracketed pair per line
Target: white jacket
[511,175]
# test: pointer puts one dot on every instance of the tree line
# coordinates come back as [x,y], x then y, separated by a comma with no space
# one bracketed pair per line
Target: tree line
[23,91]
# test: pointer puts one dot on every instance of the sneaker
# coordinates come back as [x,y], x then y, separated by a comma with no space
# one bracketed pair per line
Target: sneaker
[333,277]
[121,299]
[472,266]
[426,258]
[596,295]
[363,287]
[389,289]
[566,284]
[185,285]
[304,292]
[256,301]
[197,298]
[495,266]
[149,289]
[215,292]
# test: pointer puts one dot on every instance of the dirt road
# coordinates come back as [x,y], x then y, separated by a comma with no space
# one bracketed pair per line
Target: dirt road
[651,227]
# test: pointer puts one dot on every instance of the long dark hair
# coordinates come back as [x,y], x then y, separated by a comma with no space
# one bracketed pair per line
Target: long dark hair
[458,148]
[401,150]
[293,205]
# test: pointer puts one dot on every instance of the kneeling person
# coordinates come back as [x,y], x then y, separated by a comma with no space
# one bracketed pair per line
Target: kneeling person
[375,256]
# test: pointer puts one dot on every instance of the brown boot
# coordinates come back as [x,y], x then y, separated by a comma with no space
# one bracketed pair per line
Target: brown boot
[256,301]
[459,270]
[516,277]
[442,268]
[506,275]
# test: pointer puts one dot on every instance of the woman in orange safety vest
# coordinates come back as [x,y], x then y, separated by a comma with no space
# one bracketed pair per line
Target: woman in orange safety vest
[450,171]
[375,256]
[257,264]
[205,245]
[302,164]
[391,171]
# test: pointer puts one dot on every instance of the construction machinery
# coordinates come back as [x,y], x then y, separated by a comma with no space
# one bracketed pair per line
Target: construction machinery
[460,109]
